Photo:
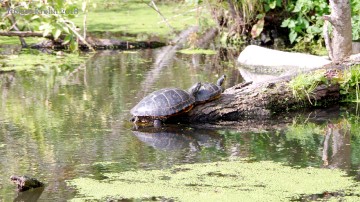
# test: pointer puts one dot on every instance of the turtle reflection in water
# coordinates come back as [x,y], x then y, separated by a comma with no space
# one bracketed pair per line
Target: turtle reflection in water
[167,141]
[164,103]
[176,138]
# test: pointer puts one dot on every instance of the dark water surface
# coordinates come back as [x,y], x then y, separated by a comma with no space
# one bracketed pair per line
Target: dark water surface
[72,121]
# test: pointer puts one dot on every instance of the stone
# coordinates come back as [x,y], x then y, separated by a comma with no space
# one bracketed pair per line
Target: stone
[279,61]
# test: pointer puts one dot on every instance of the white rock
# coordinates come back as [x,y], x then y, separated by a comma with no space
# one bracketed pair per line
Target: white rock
[279,60]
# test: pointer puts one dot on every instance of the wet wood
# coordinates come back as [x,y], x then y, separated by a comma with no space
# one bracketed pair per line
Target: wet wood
[24,183]
[25,34]
[100,44]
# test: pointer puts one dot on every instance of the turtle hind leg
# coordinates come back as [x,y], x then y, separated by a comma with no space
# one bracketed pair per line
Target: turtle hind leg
[157,123]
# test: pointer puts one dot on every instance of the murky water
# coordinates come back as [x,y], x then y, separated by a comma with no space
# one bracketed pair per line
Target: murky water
[60,124]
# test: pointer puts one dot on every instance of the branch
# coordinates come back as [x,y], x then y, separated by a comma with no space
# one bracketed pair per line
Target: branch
[13,22]
[327,40]
[153,6]
[78,35]
[329,19]
[27,34]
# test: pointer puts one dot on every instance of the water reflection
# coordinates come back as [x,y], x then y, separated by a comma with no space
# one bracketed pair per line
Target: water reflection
[179,138]
[167,139]
[337,145]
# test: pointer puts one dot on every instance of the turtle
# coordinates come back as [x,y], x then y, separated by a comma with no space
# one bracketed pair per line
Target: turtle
[164,103]
[209,91]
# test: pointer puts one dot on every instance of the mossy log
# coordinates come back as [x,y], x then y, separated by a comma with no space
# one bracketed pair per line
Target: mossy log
[261,101]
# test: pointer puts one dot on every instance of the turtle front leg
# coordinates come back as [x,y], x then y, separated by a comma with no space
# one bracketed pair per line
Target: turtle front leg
[157,123]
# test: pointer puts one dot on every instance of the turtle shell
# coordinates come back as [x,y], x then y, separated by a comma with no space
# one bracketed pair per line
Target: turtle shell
[164,103]
[208,92]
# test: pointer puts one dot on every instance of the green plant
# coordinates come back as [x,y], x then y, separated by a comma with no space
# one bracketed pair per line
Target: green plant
[355,19]
[307,23]
[304,84]
[49,17]
[349,84]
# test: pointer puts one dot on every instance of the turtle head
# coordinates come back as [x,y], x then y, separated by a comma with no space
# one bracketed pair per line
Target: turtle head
[195,88]
[221,80]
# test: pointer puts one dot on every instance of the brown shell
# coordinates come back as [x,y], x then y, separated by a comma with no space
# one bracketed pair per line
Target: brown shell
[208,92]
[164,103]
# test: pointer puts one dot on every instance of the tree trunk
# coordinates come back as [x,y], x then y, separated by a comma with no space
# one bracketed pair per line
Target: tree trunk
[340,44]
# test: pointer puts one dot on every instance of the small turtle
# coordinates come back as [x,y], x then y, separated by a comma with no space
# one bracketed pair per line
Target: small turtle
[164,103]
[210,91]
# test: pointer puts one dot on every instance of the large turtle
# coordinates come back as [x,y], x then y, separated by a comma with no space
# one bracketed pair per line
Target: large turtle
[210,91]
[161,104]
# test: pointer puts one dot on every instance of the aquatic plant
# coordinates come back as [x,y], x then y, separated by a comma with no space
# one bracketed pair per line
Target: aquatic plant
[219,181]
[197,51]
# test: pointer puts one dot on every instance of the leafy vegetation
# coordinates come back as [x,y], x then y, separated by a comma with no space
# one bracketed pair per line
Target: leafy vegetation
[349,81]
[307,23]
[53,17]
[302,18]
[304,84]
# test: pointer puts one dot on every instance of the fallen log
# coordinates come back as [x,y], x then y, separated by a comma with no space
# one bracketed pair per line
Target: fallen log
[100,44]
[97,44]
[27,34]
[262,100]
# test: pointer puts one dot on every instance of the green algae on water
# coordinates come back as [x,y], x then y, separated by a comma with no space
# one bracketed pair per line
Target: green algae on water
[197,51]
[40,61]
[219,181]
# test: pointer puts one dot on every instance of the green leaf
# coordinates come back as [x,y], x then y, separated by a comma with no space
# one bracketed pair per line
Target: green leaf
[257,28]
[292,36]
[56,33]
[272,4]
[285,23]
[292,24]
[46,32]
[67,39]
[73,46]
[44,26]
[66,30]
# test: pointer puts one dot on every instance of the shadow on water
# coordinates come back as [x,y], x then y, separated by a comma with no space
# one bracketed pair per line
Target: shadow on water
[71,121]
[31,195]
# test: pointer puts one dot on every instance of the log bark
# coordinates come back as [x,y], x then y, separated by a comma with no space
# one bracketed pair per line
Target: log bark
[98,44]
[261,101]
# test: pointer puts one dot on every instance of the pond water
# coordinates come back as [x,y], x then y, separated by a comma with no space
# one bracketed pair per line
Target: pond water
[61,123]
